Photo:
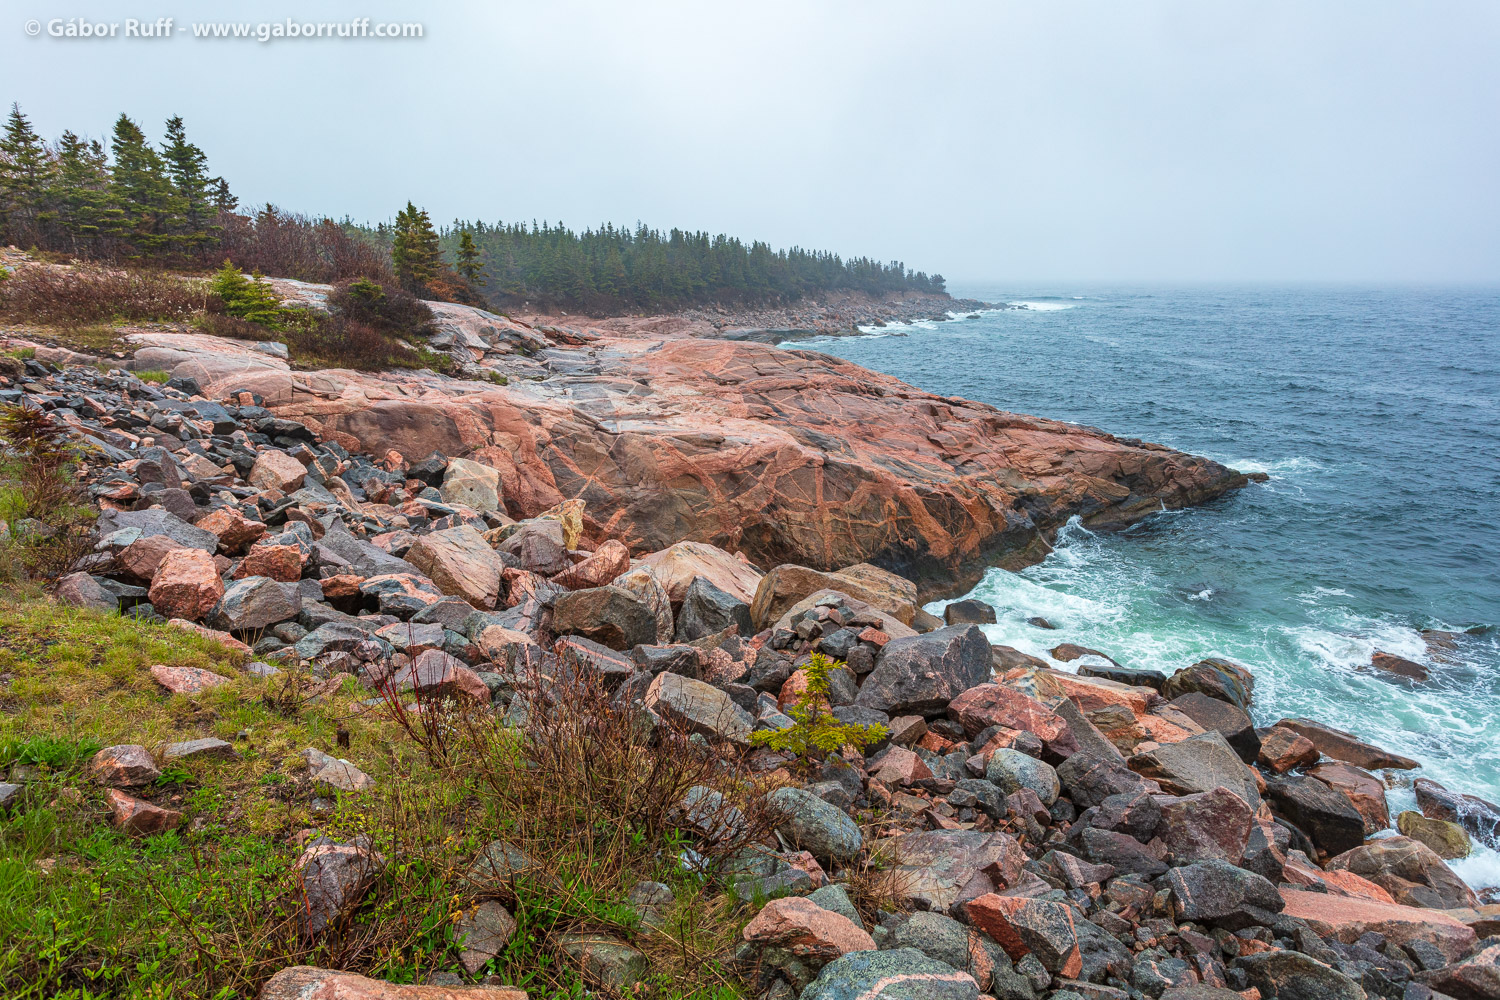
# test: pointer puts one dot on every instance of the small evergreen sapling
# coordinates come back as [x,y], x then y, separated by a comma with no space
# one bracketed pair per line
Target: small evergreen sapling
[817,731]
[247,298]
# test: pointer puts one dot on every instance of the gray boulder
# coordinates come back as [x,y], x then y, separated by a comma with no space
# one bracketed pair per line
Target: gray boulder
[609,615]
[897,974]
[251,603]
[809,823]
[707,610]
[923,673]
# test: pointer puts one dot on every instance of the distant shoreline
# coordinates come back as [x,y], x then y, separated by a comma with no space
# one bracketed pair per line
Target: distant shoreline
[840,314]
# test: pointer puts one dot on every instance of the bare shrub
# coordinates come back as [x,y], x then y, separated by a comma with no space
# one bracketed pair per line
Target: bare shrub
[289,245]
[69,296]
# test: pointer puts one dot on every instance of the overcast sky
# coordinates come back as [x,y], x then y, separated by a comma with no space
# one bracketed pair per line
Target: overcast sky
[993,142]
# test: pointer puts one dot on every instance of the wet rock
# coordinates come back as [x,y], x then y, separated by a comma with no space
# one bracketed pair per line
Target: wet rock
[1324,814]
[276,470]
[1339,745]
[1348,919]
[1283,749]
[707,610]
[483,933]
[983,705]
[1012,770]
[1218,893]
[1447,840]
[186,584]
[1398,666]
[1153,679]
[128,765]
[969,612]
[335,772]
[922,674]
[1198,764]
[1228,719]
[1409,870]
[1365,792]
[1216,678]
[334,878]
[701,707]
[897,974]
[437,675]
[1090,779]
[609,615]
[254,602]
[1068,652]
[1291,975]
[1480,819]
[1024,927]
[1122,852]
[471,484]
[809,823]
[461,563]
[138,817]
[186,680]
[1206,826]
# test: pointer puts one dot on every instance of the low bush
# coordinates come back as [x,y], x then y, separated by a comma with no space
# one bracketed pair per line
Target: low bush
[221,325]
[250,299]
[317,341]
[817,732]
[46,513]
[388,308]
[86,294]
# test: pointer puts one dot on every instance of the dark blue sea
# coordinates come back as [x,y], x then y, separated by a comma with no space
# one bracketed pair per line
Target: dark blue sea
[1376,414]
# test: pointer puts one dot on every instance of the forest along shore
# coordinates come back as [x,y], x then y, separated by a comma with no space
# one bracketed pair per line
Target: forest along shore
[725,548]
[830,314]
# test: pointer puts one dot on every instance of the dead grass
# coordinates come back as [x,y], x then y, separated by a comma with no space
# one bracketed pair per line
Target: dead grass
[85,295]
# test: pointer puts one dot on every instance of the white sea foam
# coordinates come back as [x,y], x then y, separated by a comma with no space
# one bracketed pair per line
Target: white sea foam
[1276,468]
[1039,306]
[1480,869]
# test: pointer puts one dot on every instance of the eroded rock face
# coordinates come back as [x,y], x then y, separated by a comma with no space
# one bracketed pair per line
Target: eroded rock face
[788,456]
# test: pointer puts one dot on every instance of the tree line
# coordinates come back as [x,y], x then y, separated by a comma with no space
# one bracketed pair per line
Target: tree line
[160,205]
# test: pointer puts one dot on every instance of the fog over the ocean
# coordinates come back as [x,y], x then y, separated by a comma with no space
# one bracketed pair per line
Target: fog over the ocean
[1151,141]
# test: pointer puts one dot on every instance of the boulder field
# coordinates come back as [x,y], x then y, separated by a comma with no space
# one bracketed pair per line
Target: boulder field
[788,456]
[1039,833]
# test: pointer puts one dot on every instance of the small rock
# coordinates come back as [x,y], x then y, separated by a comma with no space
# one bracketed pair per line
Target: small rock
[138,817]
[334,878]
[207,748]
[128,765]
[483,933]
[276,470]
[1398,666]
[969,612]
[335,772]
[186,584]
[605,960]
[1284,749]
[186,680]
[1013,770]
[302,982]
[472,484]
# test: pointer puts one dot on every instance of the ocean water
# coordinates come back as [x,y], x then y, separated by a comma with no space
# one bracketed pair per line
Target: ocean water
[1376,414]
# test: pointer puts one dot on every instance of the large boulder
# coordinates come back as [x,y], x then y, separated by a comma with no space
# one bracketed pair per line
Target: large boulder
[1218,893]
[461,563]
[969,612]
[643,583]
[940,870]
[1347,919]
[156,521]
[1365,791]
[707,610]
[1215,677]
[809,823]
[1323,813]
[609,615]
[800,937]
[1339,745]
[1480,819]
[1024,926]
[236,531]
[254,602]
[1475,978]
[678,565]
[923,673]
[471,484]
[602,566]
[186,584]
[1198,764]
[1224,717]
[984,705]
[1410,871]
[1205,826]
[1291,975]
[787,584]
[701,707]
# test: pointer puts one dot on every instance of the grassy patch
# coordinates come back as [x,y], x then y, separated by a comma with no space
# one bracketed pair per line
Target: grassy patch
[153,376]
[214,908]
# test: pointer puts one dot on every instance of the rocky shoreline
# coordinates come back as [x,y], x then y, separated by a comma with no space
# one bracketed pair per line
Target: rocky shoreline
[836,314]
[689,522]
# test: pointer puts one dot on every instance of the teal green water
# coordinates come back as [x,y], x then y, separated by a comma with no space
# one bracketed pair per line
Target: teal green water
[1376,415]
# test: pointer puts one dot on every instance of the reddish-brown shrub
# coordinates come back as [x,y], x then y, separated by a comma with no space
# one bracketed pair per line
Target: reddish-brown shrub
[289,245]
[68,296]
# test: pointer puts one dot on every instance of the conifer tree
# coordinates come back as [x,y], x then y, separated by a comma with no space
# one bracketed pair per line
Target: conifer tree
[79,193]
[25,170]
[415,252]
[468,259]
[143,204]
[188,168]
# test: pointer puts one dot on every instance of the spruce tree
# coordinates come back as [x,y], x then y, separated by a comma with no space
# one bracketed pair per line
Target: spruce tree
[25,170]
[468,259]
[143,204]
[188,169]
[79,194]
[415,253]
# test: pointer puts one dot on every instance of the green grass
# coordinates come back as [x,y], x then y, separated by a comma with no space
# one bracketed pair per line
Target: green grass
[211,910]
[153,376]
